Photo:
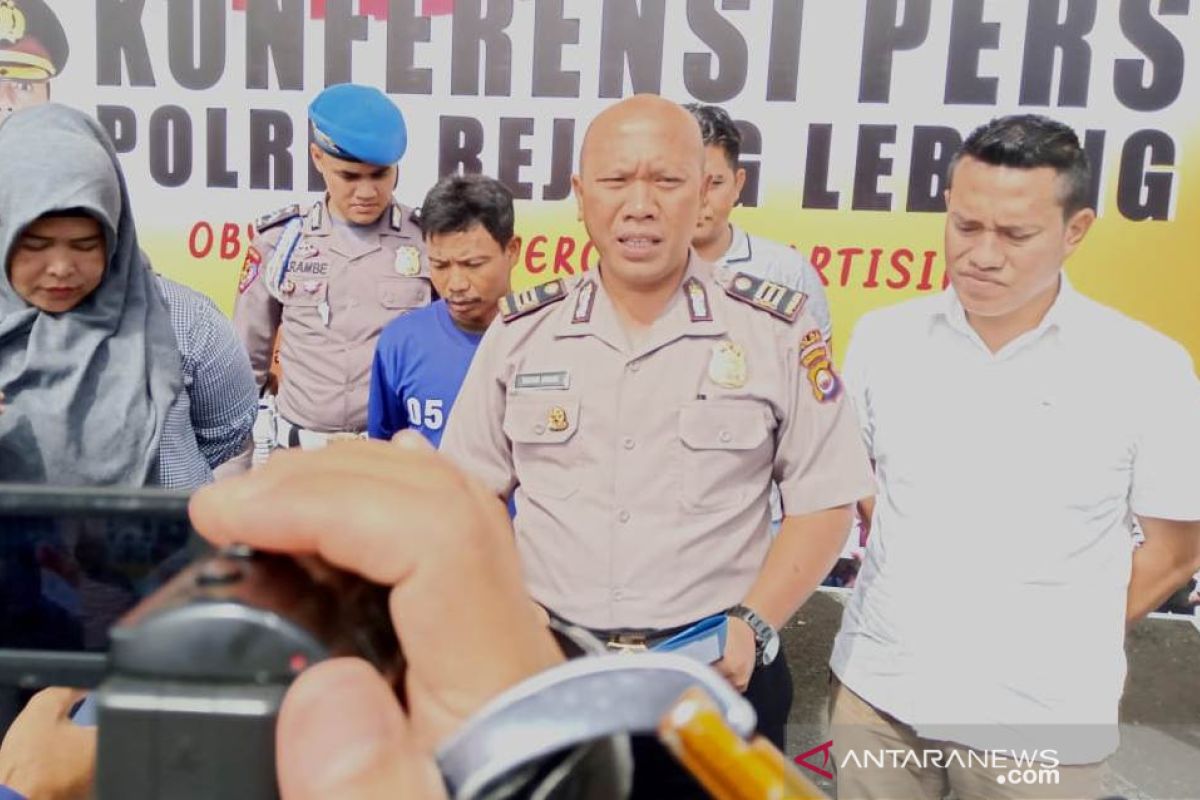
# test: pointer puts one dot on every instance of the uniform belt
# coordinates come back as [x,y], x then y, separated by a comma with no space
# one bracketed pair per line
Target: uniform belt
[289,434]
[628,638]
[636,639]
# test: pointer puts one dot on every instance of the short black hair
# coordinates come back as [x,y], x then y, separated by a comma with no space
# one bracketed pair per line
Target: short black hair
[457,203]
[717,129]
[1030,141]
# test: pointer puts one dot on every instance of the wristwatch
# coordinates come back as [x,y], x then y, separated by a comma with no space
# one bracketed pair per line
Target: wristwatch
[766,638]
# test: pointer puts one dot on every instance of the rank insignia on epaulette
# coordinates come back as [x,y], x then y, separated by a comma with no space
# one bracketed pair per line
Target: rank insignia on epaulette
[267,221]
[519,304]
[775,299]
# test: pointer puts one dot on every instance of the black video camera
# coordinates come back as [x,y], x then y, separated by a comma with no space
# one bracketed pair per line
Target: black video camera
[189,651]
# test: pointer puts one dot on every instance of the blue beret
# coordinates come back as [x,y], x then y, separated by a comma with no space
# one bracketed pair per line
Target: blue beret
[358,123]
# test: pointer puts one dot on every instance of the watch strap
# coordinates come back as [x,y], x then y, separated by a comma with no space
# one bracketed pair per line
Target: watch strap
[762,629]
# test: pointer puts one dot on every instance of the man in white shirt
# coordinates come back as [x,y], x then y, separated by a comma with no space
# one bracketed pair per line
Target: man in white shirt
[1016,428]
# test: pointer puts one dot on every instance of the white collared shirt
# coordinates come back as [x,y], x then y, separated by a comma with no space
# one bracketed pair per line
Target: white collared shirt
[990,610]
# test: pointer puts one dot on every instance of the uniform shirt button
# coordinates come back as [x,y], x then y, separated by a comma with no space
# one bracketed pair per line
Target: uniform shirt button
[635,366]
[618,594]
[623,515]
[627,443]
[725,436]
[539,429]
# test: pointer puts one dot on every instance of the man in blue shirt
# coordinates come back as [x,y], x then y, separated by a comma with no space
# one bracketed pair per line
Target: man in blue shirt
[422,357]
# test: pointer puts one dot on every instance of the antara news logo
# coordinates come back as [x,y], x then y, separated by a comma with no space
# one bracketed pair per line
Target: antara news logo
[1015,767]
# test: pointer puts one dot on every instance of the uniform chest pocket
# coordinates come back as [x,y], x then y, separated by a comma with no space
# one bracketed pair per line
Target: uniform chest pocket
[301,313]
[725,449]
[541,430]
[403,293]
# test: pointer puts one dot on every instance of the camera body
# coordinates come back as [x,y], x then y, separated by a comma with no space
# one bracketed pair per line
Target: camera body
[197,672]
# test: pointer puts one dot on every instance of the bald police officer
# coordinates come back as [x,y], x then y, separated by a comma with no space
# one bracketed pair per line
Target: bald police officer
[33,49]
[331,276]
[640,416]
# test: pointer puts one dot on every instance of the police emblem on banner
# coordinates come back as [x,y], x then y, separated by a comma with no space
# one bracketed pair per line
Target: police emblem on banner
[250,269]
[727,365]
[408,261]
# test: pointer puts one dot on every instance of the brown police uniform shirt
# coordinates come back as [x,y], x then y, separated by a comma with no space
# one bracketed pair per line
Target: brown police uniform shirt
[331,298]
[642,471]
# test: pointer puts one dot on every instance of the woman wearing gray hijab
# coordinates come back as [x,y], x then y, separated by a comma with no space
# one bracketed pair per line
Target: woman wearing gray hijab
[110,374]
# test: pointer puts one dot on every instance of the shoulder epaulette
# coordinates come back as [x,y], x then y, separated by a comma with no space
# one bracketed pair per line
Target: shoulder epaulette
[518,304]
[776,299]
[275,217]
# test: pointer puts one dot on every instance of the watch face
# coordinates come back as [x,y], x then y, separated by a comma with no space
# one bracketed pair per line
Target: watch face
[770,650]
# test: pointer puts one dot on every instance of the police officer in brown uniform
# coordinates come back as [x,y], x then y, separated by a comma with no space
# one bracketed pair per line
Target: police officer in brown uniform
[33,49]
[640,416]
[330,277]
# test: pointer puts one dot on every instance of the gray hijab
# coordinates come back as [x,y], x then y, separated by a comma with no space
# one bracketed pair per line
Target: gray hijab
[88,390]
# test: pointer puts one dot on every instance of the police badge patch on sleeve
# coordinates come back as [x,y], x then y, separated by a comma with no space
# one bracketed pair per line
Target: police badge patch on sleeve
[250,269]
[814,358]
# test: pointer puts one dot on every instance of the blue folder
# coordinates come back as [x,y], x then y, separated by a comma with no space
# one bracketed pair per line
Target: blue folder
[704,641]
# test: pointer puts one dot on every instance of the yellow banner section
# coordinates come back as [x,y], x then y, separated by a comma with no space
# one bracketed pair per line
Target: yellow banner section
[1148,270]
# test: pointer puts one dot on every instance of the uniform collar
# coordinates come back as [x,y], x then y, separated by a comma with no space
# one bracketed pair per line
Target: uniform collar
[694,310]
[1062,315]
[739,251]
[319,222]
[400,223]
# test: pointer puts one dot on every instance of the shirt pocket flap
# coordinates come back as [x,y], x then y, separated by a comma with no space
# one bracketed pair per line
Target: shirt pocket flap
[403,293]
[708,425]
[298,298]
[536,420]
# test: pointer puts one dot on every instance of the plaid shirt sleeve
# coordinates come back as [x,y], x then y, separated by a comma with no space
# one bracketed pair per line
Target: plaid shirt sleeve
[221,397]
